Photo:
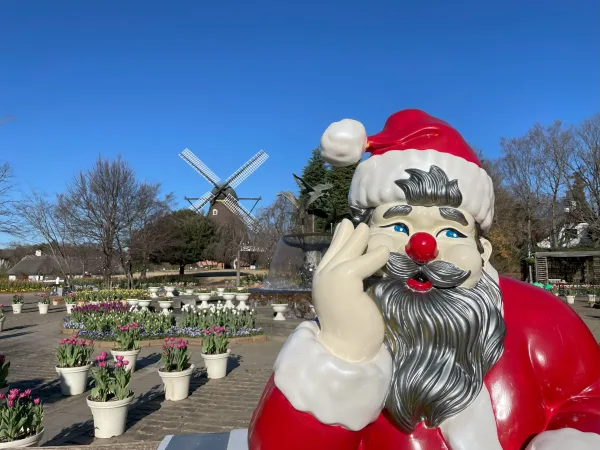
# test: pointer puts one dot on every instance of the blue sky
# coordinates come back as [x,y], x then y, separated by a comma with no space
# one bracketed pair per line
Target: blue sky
[226,79]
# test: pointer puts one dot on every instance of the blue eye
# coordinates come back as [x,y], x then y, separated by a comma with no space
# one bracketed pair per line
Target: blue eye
[401,228]
[451,233]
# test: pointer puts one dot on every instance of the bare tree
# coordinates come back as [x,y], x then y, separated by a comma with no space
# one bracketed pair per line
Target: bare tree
[550,151]
[8,219]
[40,218]
[586,163]
[101,205]
[275,220]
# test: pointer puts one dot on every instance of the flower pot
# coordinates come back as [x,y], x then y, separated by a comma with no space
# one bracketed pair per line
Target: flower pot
[242,301]
[169,290]
[189,292]
[69,307]
[165,305]
[109,417]
[220,290]
[128,355]
[144,304]
[132,301]
[2,323]
[177,384]
[279,308]
[204,304]
[43,308]
[31,441]
[228,297]
[571,299]
[153,291]
[216,365]
[73,380]
[55,302]
[17,308]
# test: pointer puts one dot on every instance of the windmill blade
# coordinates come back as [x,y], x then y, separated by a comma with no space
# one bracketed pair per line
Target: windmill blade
[199,166]
[246,170]
[245,216]
[199,203]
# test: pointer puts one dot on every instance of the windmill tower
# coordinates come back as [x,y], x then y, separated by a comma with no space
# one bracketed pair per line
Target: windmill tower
[222,198]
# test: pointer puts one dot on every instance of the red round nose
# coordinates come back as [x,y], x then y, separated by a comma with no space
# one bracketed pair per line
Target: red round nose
[421,248]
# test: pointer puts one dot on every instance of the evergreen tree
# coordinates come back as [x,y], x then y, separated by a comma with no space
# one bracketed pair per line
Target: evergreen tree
[316,172]
[340,178]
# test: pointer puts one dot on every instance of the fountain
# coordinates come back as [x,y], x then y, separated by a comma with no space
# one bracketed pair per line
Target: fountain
[297,254]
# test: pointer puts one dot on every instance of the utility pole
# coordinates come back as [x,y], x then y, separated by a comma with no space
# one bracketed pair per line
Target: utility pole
[237,268]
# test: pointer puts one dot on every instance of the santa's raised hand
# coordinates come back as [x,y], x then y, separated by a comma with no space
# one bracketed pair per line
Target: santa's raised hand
[351,324]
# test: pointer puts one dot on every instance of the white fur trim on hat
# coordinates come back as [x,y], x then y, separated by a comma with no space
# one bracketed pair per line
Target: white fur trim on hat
[334,391]
[373,183]
[344,143]
[565,439]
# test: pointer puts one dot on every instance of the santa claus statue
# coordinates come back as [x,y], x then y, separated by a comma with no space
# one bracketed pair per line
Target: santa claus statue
[419,343]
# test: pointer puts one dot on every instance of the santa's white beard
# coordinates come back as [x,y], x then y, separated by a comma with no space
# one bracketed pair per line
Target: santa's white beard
[443,343]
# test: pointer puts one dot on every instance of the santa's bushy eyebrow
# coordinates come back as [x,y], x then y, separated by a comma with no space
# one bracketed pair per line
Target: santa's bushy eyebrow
[397,211]
[454,215]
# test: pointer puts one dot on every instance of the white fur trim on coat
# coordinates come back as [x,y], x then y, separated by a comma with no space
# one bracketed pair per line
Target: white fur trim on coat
[373,183]
[334,391]
[565,439]
[343,143]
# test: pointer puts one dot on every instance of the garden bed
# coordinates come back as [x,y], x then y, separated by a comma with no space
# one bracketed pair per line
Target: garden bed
[160,342]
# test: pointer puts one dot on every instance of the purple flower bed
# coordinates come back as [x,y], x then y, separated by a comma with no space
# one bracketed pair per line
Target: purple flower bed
[102,308]
[173,332]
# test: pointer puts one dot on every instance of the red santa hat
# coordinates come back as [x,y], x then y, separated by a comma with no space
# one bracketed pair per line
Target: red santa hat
[410,139]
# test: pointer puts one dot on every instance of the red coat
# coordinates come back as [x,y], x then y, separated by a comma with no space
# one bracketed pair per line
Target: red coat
[547,378]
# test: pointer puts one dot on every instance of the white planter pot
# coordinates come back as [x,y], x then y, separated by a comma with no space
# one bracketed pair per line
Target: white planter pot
[204,304]
[144,304]
[132,301]
[571,299]
[153,291]
[31,441]
[2,324]
[220,290]
[169,290]
[189,292]
[204,296]
[43,308]
[177,384]
[242,297]
[17,308]
[73,380]
[70,307]
[592,299]
[109,417]
[228,296]
[165,304]
[216,365]
[279,308]
[128,355]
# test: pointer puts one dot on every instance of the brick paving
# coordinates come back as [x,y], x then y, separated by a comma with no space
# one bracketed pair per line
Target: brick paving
[29,340]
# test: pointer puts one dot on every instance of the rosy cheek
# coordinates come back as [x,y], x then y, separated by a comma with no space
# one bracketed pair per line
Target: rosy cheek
[464,256]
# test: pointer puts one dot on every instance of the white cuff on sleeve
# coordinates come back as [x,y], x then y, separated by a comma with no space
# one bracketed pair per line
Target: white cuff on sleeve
[334,391]
[565,439]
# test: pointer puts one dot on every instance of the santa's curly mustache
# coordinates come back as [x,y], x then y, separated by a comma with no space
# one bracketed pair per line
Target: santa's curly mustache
[442,341]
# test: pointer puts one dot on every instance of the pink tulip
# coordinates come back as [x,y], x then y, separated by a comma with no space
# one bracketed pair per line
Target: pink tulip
[11,403]
[102,364]
[1,396]
[125,362]
[14,391]
[118,365]
[27,392]
[36,401]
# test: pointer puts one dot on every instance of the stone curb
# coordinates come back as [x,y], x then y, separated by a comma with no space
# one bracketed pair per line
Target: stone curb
[160,342]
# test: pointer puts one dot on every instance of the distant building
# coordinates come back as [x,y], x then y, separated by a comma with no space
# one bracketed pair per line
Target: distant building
[40,267]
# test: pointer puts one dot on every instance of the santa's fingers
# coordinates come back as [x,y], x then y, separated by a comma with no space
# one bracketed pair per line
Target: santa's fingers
[367,264]
[354,246]
[342,233]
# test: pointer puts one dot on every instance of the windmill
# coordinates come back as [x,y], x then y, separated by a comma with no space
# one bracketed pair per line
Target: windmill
[224,192]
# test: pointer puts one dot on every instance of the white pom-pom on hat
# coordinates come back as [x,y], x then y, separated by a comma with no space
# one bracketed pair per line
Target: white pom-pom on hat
[344,143]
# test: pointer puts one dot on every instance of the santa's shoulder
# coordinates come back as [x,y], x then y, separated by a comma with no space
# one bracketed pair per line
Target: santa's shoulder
[532,309]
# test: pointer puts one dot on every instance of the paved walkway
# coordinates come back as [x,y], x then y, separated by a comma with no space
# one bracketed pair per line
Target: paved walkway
[29,341]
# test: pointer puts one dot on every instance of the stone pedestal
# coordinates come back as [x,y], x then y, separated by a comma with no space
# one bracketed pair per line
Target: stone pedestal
[235,440]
